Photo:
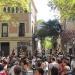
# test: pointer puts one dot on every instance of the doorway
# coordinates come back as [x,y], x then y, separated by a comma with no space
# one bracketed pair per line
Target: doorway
[4,49]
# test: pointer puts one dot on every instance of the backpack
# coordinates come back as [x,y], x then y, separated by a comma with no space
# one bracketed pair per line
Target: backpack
[54,71]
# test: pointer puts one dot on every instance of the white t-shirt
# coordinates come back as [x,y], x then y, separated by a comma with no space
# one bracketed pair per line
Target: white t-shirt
[72,64]
[11,71]
[53,64]
[33,61]
[45,65]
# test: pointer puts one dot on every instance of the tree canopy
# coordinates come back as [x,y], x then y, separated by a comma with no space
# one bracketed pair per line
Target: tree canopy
[24,4]
[66,8]
[50,28]
[47,44]
[21,3]
[48,32]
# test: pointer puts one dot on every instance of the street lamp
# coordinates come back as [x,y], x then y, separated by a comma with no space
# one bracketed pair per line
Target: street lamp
[65,46]
[36,40]
[30,49]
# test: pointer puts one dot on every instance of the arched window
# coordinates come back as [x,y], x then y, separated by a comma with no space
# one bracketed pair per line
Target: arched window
[13,9]
[17,10]
[4,9]
[9,9]
[22,29]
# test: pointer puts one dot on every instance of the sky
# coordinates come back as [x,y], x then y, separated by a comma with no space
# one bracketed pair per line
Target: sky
[44,11]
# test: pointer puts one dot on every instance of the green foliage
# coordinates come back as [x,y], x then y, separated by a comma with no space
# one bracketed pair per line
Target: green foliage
[21,3]
[24,4]
[47,43]
[40,21]
[50,28]
[66,8]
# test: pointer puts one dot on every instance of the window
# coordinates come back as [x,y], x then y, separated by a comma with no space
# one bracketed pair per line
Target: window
[17,9]
[21,10]
[9,9]
[25,11]
[22,29]
[13,10]
[4,9]
[4,29]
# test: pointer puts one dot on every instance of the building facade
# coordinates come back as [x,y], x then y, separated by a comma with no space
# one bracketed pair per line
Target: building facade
[68,35]
[16,32]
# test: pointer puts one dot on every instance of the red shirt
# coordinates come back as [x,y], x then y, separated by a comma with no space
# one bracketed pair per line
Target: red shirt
[3,73]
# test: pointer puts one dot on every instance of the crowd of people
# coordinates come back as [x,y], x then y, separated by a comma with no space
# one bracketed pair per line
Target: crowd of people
[13,65]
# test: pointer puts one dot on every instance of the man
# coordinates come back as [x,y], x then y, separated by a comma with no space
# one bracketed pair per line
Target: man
[53,67]
[17,70]
[45,67]
[11,71]
[27,68]
[73,64]
[53,64]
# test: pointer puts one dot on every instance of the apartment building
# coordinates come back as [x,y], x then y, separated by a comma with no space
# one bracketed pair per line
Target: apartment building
[16,29]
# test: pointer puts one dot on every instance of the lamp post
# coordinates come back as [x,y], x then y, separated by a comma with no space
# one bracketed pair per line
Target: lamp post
[36,40]
[30,49]
[65,48]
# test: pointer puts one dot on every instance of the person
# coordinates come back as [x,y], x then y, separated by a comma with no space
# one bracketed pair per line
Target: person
[17,70]
[13,52]
[64,68]
[27,68]
[39,71]
[5,65]
[71,73]
[54,71]
[2,71]
[53,67]
[39,64]
[34,63]
[44,65]
[67,67]
[11,71]
[53,63]
[73,63]
[33,60]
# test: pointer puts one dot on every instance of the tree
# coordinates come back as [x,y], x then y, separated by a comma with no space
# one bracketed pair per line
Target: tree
[51,28]
[66,8]
[40,21]
[21,3]
[24,4]
[47,43]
